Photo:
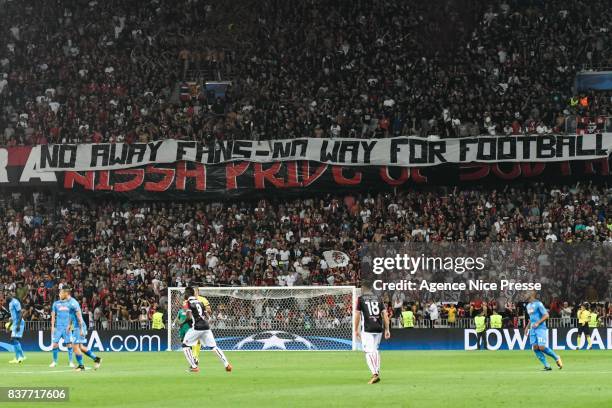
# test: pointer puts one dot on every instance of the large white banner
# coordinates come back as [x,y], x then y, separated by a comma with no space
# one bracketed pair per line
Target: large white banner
[397,151]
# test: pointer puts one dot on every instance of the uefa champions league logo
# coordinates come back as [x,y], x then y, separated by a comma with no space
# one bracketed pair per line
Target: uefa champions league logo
[274,340]
[279,340]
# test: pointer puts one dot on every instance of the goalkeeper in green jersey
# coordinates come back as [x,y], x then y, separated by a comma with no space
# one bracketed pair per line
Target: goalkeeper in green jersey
[181,320]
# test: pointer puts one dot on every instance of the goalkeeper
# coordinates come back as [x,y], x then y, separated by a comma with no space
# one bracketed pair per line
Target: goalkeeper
[181,321]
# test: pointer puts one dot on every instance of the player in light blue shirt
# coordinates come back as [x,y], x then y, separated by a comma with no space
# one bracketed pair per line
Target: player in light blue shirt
[61,319]
[538,332]
[79,337]
[17,325]
[66,320]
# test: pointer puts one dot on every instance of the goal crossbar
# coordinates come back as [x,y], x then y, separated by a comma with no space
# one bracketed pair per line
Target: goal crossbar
[259,318]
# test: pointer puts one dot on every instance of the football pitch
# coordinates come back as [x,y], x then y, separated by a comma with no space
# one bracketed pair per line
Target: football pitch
[323,379]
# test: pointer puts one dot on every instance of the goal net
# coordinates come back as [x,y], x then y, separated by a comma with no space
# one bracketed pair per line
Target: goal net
[273,318]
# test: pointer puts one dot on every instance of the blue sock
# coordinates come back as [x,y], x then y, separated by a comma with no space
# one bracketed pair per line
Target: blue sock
[70,354]
[548,351]
[55,353]
[79,358]
[19,349]
[90,354]
[541,357]
[16,348]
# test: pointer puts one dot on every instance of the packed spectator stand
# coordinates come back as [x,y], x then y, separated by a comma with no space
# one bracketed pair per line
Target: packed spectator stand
[121,256]
[112,71]
[80,71]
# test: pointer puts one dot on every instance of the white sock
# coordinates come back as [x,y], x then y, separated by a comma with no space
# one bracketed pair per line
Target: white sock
[377,361]
[189,356]
[371,360]
[221,356]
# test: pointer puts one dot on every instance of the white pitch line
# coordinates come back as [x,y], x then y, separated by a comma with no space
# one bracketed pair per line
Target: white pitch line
[45,371]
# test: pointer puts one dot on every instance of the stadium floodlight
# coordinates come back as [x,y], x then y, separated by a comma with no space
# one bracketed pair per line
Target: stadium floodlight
[274,318]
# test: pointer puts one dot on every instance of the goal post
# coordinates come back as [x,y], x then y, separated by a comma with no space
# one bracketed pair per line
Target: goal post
[274,318]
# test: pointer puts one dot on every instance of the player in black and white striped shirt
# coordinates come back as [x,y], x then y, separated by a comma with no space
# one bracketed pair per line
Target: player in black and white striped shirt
[197,315]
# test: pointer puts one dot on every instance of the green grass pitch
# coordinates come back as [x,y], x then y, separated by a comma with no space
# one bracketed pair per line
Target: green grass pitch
[324,379]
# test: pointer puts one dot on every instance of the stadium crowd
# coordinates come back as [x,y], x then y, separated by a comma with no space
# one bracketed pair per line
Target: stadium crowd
[121,256]
[109,71]
[74,71]
[462,314]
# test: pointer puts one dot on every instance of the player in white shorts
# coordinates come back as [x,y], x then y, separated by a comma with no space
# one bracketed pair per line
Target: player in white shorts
[371,321]
[200,331]
[204,336]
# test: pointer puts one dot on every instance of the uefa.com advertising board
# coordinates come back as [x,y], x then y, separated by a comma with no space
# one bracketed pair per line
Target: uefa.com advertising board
[452,282]
[401,339]
[98,340]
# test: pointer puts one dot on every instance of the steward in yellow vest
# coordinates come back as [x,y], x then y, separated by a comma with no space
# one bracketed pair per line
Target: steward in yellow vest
[158,321]
[481,330]
[594,320]
[496,320]
[407,318]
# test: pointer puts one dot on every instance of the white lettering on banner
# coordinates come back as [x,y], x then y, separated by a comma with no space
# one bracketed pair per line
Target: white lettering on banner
[596,339]
[95,341]
[150,346]
[126,343]
[131,342]
[398,151]
[498,339]
[568,339]
[513,339]
[41,342]
[555,345]
[3,164]
[43,347]
[517,338]
[30,172]
[134,343]
[467,333]
[112,343]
